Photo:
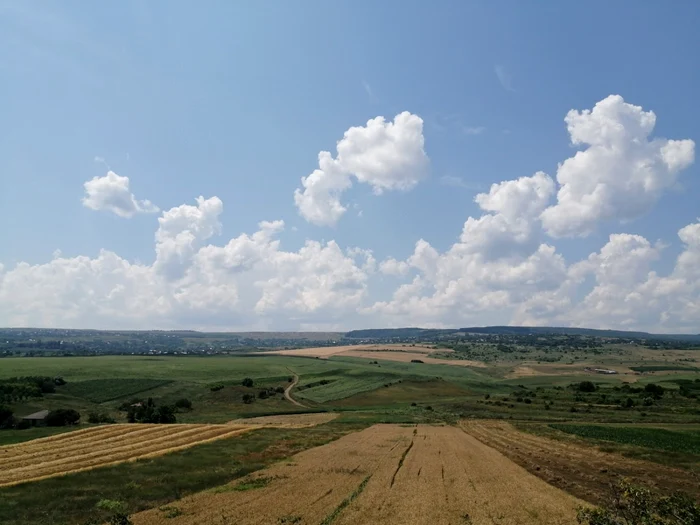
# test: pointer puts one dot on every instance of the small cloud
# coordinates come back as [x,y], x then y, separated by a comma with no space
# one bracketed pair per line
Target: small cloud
[359,213]
[294,229]
[111,193]
[56,253]
[504,77]
[478,130]
[506,132]
[459,182]
[368,90]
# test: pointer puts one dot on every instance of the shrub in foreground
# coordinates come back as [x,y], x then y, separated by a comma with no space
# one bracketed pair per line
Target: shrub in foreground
[631,505]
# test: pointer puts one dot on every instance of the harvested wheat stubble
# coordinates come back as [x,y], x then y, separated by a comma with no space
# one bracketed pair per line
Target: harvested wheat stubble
[581,470]
[310,486]
[288,420]
[385,474]
[42,459]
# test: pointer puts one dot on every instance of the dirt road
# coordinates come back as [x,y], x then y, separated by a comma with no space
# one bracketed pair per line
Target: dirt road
[288,391]
[387,474]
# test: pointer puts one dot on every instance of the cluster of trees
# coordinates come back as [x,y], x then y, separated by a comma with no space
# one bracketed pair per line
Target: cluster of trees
[62,417]
[140,411]
[16,389]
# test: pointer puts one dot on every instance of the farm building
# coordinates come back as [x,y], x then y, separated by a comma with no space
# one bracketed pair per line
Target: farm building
[37,418]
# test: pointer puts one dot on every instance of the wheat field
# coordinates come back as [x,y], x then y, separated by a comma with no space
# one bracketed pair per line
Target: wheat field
[387,474]
[102,446]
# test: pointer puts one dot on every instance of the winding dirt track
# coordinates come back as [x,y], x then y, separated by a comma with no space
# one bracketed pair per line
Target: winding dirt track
[387,474]
[288,391]
[102,446]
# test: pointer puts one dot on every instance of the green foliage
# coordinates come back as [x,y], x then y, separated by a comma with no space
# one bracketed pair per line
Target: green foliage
[103,390]
[632,505]
[252,484]
[20,388]
[111,505]
[657,391]
[7,419]
[183,404]
[664,368]
[248,382]
[148,412]
[62,417]
[216,388]
[170,512]
[97,417]
[586,386]
[248,398]
[655,438]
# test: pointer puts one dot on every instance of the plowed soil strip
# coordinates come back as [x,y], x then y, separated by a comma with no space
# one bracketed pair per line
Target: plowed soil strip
[349,482]
[133,443]
[581,470]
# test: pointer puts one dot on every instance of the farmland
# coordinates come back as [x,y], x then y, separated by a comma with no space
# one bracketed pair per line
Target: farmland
[385,474]
[548,422]
[655,438]
[102,446]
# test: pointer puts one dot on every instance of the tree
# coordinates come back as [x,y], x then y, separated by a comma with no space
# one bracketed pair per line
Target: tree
[6,418]
[248,382]
[657,391]
[62,417]
[166,414]
[248,398]
[586,386]
[183,404]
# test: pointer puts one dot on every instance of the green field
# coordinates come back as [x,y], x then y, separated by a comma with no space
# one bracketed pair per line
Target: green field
[102,390]
[655,438]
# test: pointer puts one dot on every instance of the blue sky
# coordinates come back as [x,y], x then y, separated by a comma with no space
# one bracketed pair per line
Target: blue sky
[235,100]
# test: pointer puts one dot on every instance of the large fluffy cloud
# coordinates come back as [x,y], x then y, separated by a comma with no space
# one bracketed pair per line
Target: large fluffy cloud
[621,173]
[111,193]
[497,262]
[247,282]
[385,155]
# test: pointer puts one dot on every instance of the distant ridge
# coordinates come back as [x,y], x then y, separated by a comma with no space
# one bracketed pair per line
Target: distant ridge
[388,333]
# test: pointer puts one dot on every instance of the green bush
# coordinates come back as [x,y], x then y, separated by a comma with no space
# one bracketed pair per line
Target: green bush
[248,382]
[183,404]
[631,505]
[248,398]
[586,386]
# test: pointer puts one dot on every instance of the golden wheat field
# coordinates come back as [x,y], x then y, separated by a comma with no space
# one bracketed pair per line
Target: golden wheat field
[388,474]
[101,446]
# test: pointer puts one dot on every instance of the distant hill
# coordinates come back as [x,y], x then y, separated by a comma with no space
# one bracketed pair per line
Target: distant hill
[398,333]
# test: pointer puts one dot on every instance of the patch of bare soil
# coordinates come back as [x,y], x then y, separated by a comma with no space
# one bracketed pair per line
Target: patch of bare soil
[582,471]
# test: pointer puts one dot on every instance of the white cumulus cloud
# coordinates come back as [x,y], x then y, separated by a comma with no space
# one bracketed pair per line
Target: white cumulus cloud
[385,155]
[111,193]
[622,172]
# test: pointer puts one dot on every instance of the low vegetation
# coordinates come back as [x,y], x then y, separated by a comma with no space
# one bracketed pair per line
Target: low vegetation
[656,438]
